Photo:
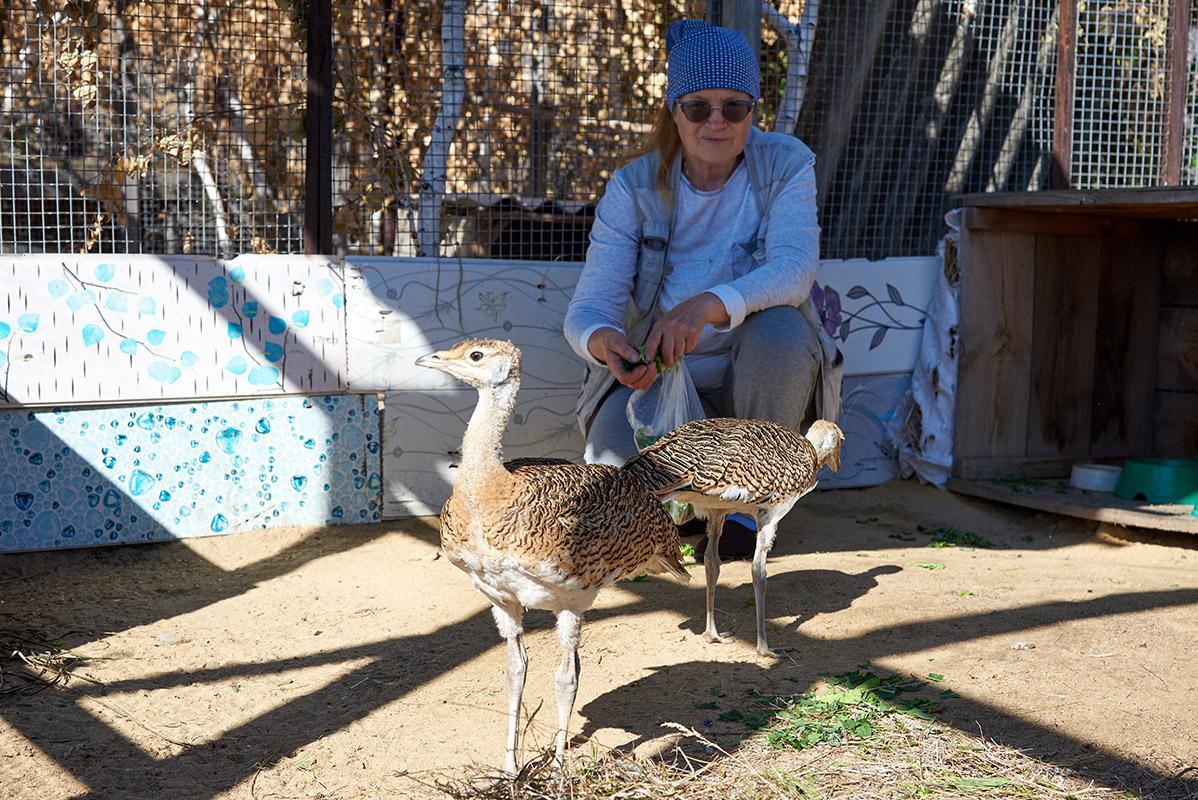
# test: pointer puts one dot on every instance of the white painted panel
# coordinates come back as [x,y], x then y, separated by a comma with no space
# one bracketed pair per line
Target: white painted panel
[422,434]
[400,309]
[875,310]
[77,329]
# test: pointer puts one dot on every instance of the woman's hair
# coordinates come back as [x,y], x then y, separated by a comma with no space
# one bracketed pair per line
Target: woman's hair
[663,139]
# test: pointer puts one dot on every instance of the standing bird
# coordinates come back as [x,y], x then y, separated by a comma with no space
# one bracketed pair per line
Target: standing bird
[723,466]
[540,533]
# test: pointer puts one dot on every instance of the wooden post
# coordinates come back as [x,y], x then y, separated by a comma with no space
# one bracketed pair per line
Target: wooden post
[1175,92]
[318,174]
[1062,123]
[739,15]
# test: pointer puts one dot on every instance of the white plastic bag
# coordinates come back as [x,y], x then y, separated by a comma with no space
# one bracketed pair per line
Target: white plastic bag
[654,412]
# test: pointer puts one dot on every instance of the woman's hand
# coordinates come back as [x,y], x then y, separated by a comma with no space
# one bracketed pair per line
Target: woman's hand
[613,349]
[677,332]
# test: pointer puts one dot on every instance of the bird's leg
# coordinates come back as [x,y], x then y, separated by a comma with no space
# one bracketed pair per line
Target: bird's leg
[711,566]
[767,530]
[509,620]
[569,627]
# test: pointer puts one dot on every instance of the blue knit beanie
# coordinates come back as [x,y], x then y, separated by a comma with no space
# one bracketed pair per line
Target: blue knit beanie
[703,56]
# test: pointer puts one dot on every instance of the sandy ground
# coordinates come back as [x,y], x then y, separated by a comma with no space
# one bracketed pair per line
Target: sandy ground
[342,662]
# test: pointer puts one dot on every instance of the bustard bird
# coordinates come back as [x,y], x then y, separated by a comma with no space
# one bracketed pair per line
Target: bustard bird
[540,533]
[722,466]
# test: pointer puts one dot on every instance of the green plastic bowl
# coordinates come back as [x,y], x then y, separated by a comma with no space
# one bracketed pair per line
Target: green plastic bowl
[1159,480]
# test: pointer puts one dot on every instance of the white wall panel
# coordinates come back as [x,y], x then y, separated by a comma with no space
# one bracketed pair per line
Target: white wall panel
[875,310]
[400,309]
[422,436]
[83,329]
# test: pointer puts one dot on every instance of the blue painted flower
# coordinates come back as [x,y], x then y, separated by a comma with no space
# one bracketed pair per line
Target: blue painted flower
[827,303]
[92,334]
[28,322]
[218,292]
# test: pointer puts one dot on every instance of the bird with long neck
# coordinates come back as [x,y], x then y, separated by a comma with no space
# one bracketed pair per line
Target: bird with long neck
[723,466]
[540,533]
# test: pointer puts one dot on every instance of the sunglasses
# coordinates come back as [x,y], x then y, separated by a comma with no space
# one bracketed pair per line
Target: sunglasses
[701,110]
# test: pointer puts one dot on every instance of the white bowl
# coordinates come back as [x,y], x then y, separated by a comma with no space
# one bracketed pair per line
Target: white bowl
[1095,477]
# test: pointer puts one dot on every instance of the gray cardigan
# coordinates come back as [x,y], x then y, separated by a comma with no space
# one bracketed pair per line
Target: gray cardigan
[773,161]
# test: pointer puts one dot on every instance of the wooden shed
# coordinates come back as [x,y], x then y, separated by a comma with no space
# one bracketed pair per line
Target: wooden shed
[1079,343]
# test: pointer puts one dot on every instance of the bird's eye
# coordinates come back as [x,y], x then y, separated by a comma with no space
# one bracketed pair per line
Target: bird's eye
[477,355]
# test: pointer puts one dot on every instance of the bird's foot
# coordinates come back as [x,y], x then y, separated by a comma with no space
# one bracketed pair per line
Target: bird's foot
[717,637]
[773,652]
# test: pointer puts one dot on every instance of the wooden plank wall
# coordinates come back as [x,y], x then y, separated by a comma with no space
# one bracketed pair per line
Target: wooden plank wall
[996,340]
[1066,321]
[1124,377]
[1176,417]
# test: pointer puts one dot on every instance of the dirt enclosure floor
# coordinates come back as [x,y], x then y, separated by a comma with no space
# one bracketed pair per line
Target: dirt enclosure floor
[354,662]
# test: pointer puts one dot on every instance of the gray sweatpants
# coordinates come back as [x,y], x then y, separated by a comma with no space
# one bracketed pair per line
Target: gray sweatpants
[775,364]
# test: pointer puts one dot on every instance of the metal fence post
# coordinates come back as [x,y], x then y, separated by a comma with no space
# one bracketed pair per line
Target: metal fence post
[318,172]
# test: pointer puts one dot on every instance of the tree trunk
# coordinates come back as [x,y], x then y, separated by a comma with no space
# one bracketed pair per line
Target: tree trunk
[436,158]
[925,136]
[126,109]
[852,41]
[1000,172]
[979,118]
[799,38]
[199,155]
[867,182]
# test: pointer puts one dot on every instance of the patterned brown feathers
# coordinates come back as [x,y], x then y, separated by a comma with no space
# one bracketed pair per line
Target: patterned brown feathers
[760,462]
[588,524]
[724,466]
[581,525]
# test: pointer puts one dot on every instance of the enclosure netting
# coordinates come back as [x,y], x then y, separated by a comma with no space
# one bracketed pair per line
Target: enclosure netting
[488,128]
[150,128]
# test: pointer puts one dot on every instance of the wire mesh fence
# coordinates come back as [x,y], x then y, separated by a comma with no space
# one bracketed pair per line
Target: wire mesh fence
[150,128]
[1119,103]
[552,96]
[915,103]
[488,128]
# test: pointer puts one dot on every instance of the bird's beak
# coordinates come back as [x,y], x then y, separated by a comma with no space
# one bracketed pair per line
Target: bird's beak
[430,360]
